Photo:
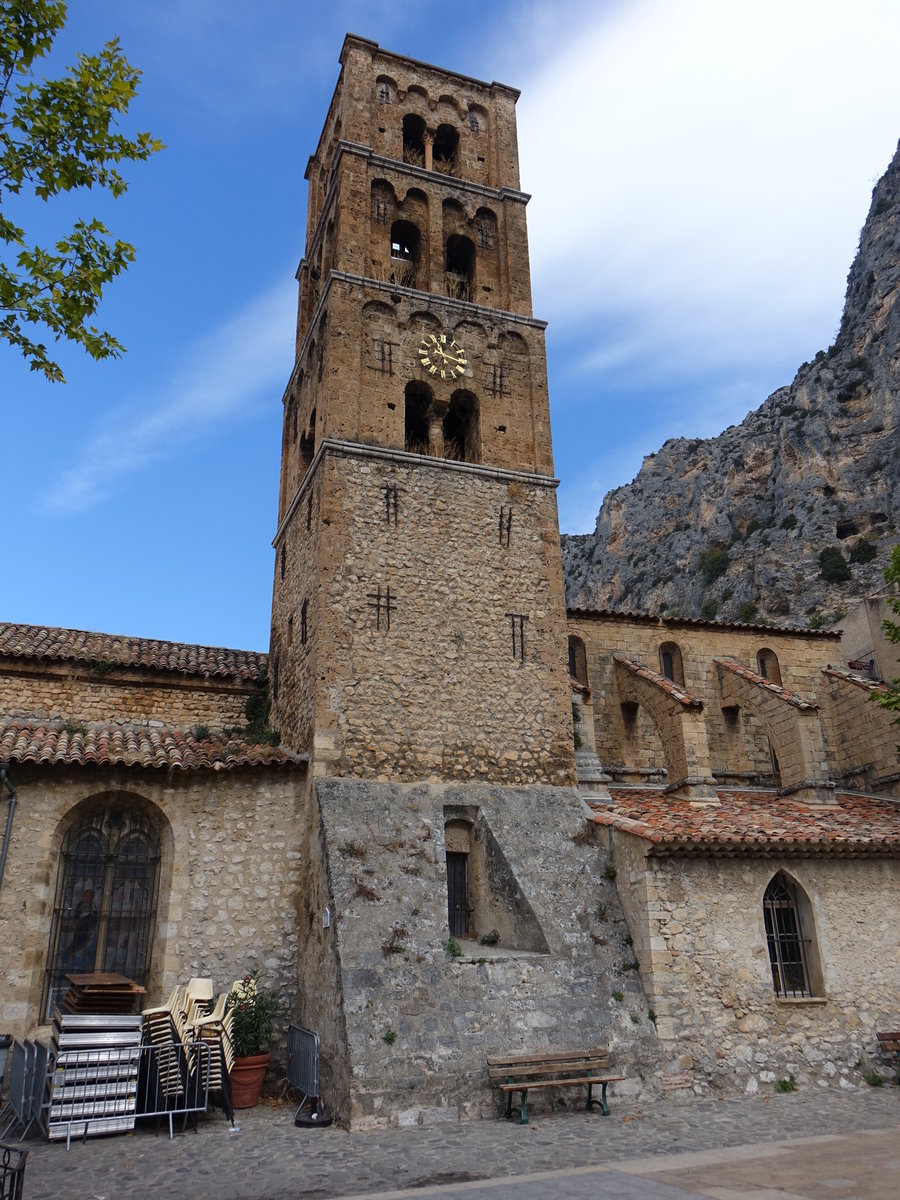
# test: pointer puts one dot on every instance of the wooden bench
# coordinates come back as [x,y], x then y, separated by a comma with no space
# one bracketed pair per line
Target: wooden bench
[555,1069]
[890,1045]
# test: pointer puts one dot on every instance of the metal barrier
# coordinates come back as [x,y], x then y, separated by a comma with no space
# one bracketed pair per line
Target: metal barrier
[17,1109]
[106,1090]
[12,1172]
[303,1064]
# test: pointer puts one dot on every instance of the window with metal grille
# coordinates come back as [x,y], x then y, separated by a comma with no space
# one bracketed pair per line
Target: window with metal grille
[104,912]
[457,893]
[788,948]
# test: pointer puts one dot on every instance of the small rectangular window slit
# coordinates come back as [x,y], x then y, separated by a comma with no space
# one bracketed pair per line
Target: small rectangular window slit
[517,629]
[391,504]
[506,515]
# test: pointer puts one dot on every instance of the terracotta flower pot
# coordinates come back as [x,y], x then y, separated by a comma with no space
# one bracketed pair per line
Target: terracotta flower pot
[246,1079]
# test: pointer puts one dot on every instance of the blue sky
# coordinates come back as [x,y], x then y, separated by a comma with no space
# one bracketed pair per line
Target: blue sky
[700,172]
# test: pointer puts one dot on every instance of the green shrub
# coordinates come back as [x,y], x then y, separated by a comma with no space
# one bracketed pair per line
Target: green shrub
[618,995]
[713,563]
[786,1085]
[747,611]
[864,551]
[389,1036]
[789,522]
[453,948]
[708,609]
[833,567]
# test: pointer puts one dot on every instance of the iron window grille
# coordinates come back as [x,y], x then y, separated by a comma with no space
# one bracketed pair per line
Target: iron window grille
[104,911]
[788,947]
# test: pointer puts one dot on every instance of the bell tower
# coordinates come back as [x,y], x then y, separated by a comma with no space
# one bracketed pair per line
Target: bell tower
[419,643]
[418,616]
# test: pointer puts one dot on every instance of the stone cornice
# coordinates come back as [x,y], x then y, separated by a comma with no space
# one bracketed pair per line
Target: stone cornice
[430,299]
[347,449]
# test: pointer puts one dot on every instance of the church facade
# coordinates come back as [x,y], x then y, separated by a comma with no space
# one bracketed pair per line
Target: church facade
[485,824]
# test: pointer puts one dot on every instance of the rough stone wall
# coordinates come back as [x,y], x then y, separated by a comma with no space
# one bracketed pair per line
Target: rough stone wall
[864,737]
[230,881]
[80,694]
[738,743]
[357,363]
[421,1024]
[443,692]
[698,932]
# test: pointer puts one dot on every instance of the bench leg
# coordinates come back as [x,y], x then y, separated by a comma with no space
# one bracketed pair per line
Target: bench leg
[509,1097]
[524,1120]
[602,1101]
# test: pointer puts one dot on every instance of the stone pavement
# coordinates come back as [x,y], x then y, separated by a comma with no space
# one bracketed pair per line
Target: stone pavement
[809,1144]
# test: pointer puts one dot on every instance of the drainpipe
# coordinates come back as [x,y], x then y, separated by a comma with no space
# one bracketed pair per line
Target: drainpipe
[9,818]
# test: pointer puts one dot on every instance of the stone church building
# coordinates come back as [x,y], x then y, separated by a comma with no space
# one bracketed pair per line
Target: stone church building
[484,824]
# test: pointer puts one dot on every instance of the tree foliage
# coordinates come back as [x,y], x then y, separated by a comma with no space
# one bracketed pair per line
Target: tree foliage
[60,135]
[890,699]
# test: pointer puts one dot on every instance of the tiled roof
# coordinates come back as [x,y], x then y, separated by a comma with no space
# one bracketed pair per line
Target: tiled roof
[870,685]
[632,663]
[766,684]
[47,643]
[602,614]
[754,822]
[33,740]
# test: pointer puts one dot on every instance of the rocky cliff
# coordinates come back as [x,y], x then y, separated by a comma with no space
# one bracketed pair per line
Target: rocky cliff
[738,523]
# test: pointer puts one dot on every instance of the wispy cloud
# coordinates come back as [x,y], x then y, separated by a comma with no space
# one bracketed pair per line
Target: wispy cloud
[228,376]
[700,172]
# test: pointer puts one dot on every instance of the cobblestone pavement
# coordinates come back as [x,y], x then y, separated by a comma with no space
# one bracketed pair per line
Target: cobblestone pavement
[840,1144]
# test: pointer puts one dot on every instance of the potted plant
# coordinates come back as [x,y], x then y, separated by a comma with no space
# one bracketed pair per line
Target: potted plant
[253,1009]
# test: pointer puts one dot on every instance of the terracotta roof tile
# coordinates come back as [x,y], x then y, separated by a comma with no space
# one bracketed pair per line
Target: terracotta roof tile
[33,740]
[731,664]
[869,685]
[632,663]
[688,622]
[747,822]
[47,643]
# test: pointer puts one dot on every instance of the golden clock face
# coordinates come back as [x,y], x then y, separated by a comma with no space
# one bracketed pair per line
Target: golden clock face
[442,356]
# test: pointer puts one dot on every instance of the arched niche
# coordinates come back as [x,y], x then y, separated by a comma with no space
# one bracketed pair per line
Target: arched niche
[768,666]
[671,665]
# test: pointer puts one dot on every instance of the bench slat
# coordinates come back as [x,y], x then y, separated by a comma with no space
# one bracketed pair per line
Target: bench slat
[538,1069]
[549,1056]
[547,1083]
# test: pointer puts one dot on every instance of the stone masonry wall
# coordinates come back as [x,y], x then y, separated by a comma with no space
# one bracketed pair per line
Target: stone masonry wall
[419,1023]
[79,694]
[443,692]
[739,748]
[698,932]
[863,736]
[230,883]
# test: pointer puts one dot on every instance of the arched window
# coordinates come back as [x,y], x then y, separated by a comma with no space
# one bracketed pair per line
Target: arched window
[670,663]
[406,243]
[460,266]
[416,418]
[104,912]
[444,151]
[767,665]
[789,936]
[414,140]
[460,428]
[577,660]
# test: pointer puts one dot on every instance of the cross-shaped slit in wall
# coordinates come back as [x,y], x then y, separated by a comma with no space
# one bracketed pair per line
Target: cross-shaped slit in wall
[383,605]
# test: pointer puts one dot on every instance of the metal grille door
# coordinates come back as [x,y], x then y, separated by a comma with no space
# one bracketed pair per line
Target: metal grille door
[457,894]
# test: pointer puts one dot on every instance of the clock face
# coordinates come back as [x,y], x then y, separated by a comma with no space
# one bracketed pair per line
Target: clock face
[442,356]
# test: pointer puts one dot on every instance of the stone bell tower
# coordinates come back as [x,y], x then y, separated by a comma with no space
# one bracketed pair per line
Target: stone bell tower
[418,618]
[418,647]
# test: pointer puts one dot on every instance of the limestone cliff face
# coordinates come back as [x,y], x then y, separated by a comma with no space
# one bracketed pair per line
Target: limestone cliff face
[714,527]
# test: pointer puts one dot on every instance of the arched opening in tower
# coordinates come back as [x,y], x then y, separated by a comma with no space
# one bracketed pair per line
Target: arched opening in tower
[460,266]
[406,243]
[445,152]
[414,140]
[460,428]
[417,403]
